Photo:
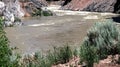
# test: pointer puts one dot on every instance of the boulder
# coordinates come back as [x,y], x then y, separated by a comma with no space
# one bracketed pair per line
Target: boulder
[10,9]
[15,8]
[8,17]
[2,7]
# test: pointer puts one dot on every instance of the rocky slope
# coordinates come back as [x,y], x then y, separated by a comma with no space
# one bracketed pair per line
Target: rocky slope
[93,5]
[19,6]
[12,9]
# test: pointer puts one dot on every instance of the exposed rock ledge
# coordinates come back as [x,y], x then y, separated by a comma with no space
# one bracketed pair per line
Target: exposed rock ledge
[93,5]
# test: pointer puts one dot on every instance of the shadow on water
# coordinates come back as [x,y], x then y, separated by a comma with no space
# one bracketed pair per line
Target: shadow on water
[117,10]
[116,19]
[66,2]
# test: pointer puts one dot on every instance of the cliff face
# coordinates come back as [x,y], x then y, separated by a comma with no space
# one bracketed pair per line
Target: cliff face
[93,5]
[77,4]
[101,6]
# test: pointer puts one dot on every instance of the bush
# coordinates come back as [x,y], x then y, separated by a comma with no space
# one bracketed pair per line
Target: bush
[5,52]
[102,40]
[6,57]
[40,12]
[58,55]
[88,54]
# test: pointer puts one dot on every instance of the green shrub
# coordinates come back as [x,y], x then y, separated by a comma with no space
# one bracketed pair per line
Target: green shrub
[6,57]
[47,13]
[40,12]
[88,54]
[58,55]
[17,19]
[5,52]
[102,40]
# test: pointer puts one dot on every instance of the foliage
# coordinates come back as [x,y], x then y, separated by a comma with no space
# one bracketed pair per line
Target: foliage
[58,55]
[87,54]
[47,13]
[40,12]
[76,52]
[17,19]
[5,52]
[102,40]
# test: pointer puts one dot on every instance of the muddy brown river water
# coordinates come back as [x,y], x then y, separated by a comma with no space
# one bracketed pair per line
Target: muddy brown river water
[40,34]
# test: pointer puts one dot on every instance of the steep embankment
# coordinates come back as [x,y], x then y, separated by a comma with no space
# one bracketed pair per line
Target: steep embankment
[93,5]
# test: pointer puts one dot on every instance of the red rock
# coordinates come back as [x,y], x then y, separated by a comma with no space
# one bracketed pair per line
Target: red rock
[91,5]
[77,4]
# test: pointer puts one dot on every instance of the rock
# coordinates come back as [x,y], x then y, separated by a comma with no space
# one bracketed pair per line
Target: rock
[2,7]
[101,6]
[77,4]
[8,24]
[10,10]
[93,5]
[14,7]
[9,18]
[39,3]
[8,15]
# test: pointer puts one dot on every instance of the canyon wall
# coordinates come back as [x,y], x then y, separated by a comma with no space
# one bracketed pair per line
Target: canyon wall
[29,6]
[93,5]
